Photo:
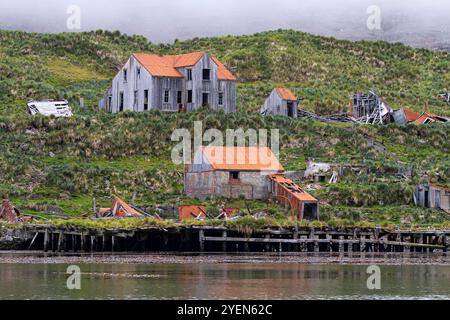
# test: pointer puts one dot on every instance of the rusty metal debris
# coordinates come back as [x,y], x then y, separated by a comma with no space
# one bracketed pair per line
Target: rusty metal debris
[11,214]
[120,209]
[373,109]
[188,212]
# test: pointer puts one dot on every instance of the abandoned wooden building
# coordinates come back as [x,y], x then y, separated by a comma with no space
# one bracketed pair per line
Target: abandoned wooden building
[281,102]
[432,196]
[175,83]
[249,172]
[370,108]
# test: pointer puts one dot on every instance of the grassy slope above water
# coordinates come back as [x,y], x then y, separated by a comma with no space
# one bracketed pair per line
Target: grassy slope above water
[64,163]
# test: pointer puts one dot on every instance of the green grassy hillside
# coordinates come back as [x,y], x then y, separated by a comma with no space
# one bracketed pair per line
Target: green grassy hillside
[50,163]
[324,71]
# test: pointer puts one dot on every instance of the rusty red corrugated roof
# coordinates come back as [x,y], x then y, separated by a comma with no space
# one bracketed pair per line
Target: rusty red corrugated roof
[166,66]
[242,158]
[286,94]
[222,72]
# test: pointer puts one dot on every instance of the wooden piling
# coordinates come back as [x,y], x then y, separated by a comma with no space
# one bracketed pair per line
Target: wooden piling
[93,249]
[46,240]
[201,238]
[224,244]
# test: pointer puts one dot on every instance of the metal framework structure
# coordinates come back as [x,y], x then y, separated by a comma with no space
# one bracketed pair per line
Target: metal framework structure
[368,109]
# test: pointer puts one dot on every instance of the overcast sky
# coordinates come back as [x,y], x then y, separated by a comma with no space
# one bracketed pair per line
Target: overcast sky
[165,20]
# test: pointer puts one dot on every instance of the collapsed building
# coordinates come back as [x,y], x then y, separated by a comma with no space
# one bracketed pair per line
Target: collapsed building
[372,109]
[281,102]
[247,172]
[432,196]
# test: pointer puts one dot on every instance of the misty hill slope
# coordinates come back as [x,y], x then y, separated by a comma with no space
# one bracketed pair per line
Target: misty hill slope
[324,71]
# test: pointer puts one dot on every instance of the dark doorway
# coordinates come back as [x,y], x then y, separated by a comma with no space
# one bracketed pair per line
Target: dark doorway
[145,100]
[121,102]
[310,211]
[427,199]
[205,99]
[290,109]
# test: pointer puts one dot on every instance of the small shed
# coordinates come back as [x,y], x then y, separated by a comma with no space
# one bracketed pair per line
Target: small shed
[302,204]
[432,196]
[281,102]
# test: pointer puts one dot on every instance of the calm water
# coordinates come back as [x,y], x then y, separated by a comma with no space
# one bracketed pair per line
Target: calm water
[223,281]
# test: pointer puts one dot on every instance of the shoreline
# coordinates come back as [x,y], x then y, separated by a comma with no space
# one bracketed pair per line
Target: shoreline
[21,257]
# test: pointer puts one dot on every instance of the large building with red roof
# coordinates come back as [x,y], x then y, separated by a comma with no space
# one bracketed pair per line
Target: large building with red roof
[172,83]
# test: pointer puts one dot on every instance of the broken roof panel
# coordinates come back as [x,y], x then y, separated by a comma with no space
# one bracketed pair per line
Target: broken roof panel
[286,94]
[120,209]
[292,188]
[410,115]
[242,158]
[427,117]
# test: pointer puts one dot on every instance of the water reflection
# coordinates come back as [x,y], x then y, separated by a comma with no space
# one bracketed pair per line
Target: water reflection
[222,281]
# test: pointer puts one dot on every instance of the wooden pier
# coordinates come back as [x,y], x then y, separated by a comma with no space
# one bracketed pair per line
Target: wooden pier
[220,239]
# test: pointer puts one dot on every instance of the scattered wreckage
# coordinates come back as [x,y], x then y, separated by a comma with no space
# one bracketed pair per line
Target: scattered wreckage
[120,209]
[56,108]
[373,109]
[11,214]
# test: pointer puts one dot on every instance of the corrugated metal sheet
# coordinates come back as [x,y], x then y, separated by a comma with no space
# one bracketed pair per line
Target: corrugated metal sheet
[188,212]
[292,188]
[410,115]
[432,118]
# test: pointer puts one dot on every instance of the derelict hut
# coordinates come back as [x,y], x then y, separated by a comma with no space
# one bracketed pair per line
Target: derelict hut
[231,172]
[281,102]
[370,108]
[172,83]
[432,196]
[302,204]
